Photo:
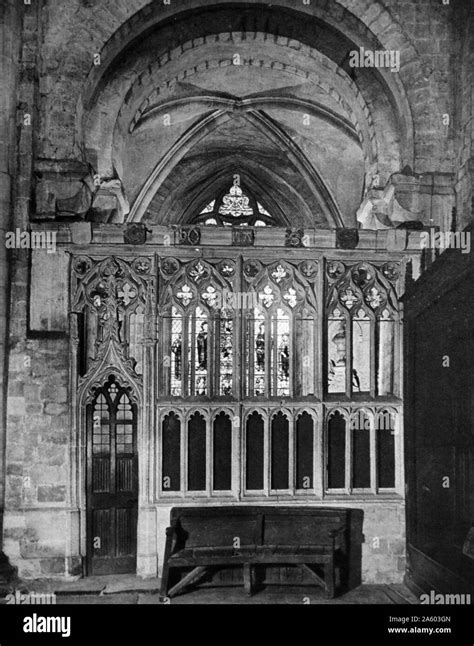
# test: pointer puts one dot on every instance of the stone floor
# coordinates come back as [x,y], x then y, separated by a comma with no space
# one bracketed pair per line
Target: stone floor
[127,589]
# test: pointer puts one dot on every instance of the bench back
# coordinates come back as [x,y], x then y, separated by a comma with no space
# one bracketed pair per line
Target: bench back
[310,528]
[221,526]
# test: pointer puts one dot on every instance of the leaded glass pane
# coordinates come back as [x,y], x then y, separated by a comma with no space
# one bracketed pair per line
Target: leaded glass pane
[386,353]
[113,390]
[305,336]
[336,353]
[259,350]
[176,353]
[199,342]
[226,352]
[124,428]
[281,353]
[209,208]
[124,410]
[101,426]
[136,337]
[361,352]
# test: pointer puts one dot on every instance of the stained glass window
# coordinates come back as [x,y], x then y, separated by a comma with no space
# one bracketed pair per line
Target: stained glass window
[235,203]
[198,353]
[176,358]
[236,206]
[226,350]
[337,352]
[198,349]
[281,351]
[256,339]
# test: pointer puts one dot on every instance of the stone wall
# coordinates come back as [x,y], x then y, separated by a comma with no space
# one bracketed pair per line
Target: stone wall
[35,533]
[10,45]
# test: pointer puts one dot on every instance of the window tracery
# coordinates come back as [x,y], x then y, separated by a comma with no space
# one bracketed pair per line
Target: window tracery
[236,206]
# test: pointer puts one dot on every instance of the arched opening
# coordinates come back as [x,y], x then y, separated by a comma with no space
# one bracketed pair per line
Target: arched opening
[309,129]
[112,481]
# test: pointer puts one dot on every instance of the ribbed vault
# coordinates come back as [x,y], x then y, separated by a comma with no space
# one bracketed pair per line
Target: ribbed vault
[229,89]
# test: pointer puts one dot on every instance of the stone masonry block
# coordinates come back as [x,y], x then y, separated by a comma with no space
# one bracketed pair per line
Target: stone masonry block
[51,493]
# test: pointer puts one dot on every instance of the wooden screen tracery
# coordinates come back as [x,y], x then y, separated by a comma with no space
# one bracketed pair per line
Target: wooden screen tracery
[361,329]
[247,367]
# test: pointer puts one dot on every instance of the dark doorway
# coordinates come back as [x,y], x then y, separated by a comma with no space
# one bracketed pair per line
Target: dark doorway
[112,482]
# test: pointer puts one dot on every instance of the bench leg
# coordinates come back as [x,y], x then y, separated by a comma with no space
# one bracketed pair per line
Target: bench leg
[164,580]
[191,577]
[248,578]
[329,579]
[307,570]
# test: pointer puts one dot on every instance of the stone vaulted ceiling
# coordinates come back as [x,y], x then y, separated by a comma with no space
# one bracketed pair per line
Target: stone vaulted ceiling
[230,90]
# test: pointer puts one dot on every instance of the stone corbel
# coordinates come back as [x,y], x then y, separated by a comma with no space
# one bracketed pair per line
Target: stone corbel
[63,188]
[80,203]
[381,208]
[71,189]
[110,203]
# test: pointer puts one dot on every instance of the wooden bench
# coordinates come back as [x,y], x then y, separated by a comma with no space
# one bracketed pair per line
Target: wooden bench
[204,538]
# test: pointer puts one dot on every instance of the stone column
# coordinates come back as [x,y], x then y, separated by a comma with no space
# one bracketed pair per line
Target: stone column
[10,40]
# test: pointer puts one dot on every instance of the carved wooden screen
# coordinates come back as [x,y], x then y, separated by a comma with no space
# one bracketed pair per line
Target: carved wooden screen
[245,371]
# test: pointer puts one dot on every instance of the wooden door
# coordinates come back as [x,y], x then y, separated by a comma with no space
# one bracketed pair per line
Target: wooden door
[112,482]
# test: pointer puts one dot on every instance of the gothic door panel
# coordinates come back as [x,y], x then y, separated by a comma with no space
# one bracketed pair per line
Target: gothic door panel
[112,482]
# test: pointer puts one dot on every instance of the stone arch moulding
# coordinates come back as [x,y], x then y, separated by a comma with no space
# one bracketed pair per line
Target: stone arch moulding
[265,125]
[347,25]
[147,96]
[254,104]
